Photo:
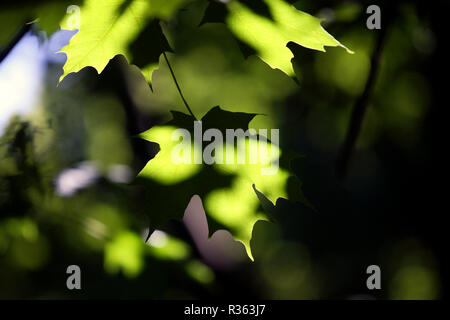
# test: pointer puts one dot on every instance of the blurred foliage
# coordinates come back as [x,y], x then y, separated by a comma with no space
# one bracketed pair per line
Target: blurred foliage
[67,166]
[47,13]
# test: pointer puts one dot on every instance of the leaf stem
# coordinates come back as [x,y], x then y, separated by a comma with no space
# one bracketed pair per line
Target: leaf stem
[178,86]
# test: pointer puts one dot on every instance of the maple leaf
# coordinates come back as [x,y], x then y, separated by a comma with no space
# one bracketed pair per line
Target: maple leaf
[109,27]
[227,187]
[269,36]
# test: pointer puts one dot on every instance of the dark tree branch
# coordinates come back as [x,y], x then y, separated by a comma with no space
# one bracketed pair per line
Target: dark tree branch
[15,40]
[361,105]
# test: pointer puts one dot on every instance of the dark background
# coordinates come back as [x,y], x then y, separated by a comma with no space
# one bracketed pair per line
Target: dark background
[389,209]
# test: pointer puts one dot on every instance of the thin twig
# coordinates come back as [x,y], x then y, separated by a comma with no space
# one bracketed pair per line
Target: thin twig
[178,87]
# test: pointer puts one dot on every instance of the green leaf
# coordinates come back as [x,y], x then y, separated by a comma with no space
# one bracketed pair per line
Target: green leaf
[226,188]
[108,27]
[270,37]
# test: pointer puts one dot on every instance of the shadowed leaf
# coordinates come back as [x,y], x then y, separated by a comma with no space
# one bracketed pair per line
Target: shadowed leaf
[225,186]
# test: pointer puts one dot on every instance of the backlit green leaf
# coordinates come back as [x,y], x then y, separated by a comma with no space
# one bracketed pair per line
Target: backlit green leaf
[270,37]
[108,27]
